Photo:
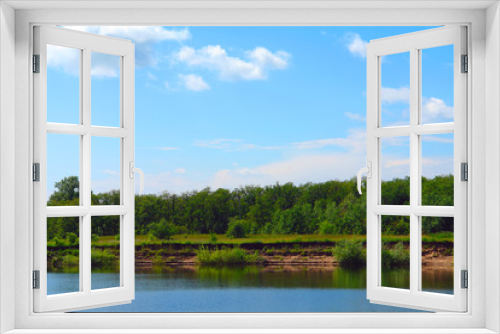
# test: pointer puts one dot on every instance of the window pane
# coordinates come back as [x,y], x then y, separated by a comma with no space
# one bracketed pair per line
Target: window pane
[105,253]
[437,254]
[437,84]
[395,90]
[63,84]
[105,85]
[63,255]
[437,169]
[395,257]
[106,171]
[395,170]
[63,169]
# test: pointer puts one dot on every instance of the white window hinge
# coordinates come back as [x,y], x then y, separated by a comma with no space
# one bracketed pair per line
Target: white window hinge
[465,64]
[36,172]
[464,171]
[36,63]
[36,279]
[465,279]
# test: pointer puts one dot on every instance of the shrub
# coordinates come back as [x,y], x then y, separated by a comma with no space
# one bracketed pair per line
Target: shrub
[59,242]
[213,238]
[70,261]
[326,227]
[232,256]
[72,238]
[102,258]
[117,237]
[95,237]
[397,257]
[163,229]
[350,253]
[237,228]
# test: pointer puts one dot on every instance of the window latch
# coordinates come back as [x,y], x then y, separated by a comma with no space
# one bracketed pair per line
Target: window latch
[133,170]
[368,171]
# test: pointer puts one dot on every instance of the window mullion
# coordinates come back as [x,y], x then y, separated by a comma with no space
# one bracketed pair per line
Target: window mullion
[85,181]
[415,262]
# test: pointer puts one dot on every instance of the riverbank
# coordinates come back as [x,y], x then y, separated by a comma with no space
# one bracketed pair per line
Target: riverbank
[278,254]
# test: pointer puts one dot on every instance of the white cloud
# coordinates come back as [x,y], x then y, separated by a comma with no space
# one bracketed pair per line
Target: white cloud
[396,163]
[194,82]
[300,169]
[225,144]
[146,34]
[394,95]
[64,59]
[434,109]
[354,142]
[437,139]
[256,67]
[110,172]
[356,45]
[151,76]
[144,38]
[180,171]
[167,148]
[355,117]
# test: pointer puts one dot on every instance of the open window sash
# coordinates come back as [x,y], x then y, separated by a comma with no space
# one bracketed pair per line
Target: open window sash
[415,297]
[84,297]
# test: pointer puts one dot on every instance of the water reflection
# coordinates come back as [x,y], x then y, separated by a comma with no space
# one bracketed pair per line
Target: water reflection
[255,289]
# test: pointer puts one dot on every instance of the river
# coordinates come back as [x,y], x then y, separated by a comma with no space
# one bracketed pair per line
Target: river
[251,289]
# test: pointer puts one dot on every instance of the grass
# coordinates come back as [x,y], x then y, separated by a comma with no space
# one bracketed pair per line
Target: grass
[350,253]
[222,239]
[103,258]
[233,256]
[396,257]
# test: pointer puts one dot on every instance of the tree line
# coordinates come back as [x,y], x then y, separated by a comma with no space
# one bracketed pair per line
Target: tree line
[332,207]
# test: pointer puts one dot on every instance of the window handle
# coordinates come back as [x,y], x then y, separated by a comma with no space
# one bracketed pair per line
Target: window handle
[368,171]
[133,170]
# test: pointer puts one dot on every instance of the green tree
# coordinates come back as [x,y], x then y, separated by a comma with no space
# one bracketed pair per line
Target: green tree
[163,229]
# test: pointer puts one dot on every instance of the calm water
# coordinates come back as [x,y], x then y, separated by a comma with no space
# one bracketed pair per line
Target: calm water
[251,289]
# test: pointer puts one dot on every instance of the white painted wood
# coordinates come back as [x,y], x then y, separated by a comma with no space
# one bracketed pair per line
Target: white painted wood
[413,43]
[7,167]
[86,298]
[471,322]
[492,187]
[76,129]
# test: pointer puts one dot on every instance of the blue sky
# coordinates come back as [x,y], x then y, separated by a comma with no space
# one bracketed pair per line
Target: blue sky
[232,106]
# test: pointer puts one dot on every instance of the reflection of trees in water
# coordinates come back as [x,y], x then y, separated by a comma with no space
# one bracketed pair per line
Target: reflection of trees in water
[252,276]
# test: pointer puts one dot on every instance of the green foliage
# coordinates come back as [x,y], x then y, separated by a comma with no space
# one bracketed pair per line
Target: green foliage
[238,228]
[72,238]
[233,256]
[213,238]
[67,191]
[350,253]
[397,257]
[163,229]
[328,208]
[94,237]
[102,258]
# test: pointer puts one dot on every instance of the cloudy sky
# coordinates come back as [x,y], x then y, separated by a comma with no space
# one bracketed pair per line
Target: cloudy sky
[232,106]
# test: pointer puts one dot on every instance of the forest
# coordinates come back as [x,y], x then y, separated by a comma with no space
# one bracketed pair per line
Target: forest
[327,208]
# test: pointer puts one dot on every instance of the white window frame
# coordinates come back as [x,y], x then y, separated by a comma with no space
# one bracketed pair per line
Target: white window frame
[85,43]
[483,124]
[414,43]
